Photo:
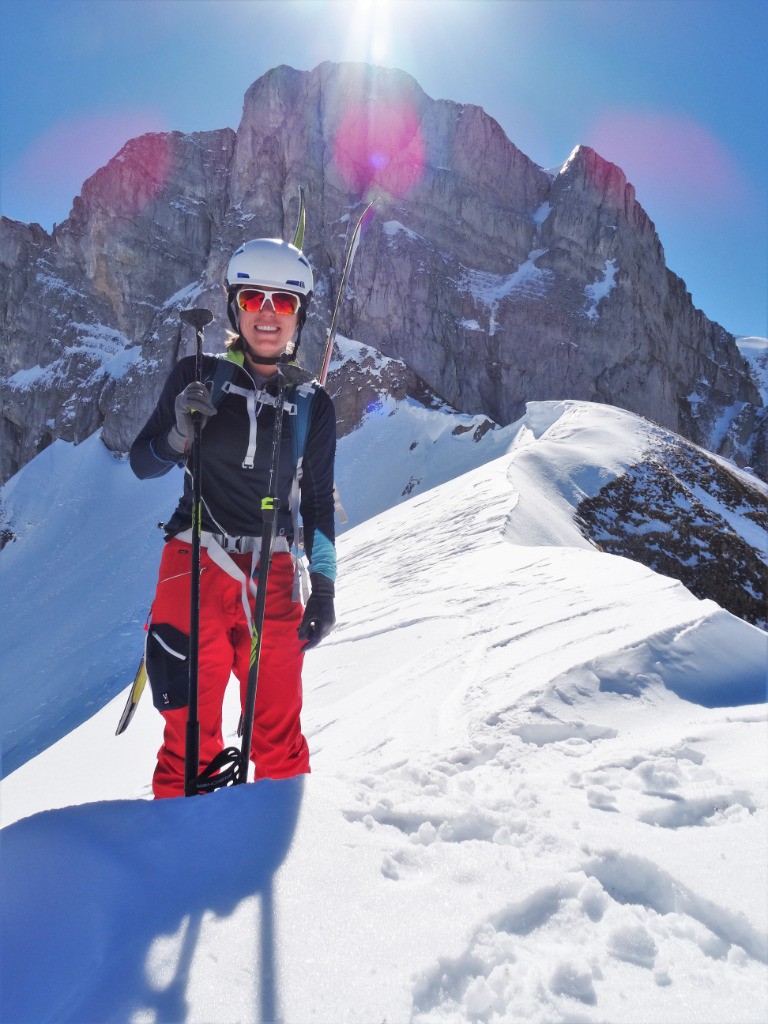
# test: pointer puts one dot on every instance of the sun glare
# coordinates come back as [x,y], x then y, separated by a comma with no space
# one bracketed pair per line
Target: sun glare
[370,32]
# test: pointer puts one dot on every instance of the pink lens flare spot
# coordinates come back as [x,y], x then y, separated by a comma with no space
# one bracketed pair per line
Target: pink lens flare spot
[74,149]
[672,155]
[379,143]
[142,170]
[378,161]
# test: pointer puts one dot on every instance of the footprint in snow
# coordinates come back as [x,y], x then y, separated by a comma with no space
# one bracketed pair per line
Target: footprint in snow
[579,940]
[669,778]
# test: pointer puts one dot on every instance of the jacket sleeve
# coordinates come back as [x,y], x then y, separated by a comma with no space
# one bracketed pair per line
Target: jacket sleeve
[151,455]
[317,504]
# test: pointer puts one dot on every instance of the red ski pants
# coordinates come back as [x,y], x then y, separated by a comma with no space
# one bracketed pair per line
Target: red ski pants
[279,750]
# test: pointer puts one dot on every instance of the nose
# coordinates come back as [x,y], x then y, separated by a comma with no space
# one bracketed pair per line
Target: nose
[268,306]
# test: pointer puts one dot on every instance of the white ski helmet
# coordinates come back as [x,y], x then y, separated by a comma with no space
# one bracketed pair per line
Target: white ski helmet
[272,263]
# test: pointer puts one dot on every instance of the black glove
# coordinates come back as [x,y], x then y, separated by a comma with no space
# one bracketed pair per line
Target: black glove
[319,616]
[194,398]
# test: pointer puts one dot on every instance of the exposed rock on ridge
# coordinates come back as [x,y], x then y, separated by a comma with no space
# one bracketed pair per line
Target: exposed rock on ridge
[495,281]
[687,515]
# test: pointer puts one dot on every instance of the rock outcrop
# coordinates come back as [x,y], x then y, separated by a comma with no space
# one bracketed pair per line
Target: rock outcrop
[495,281]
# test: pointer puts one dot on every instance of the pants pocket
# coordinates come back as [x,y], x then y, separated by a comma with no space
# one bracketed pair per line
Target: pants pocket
[167,661]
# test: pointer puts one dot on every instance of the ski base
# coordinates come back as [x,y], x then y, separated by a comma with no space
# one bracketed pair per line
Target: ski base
[139,682]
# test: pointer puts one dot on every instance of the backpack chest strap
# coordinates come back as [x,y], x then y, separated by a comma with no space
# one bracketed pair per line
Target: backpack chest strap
[252,397]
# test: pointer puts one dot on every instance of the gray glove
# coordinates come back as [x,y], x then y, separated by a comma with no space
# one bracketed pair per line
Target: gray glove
[194,398]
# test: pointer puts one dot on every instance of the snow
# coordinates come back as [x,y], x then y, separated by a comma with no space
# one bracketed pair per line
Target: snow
[571,157]
[601,289]
[107,349]
[489,289]
[185,296]
[755,351]
[393,227]
[539,778]
[541,213]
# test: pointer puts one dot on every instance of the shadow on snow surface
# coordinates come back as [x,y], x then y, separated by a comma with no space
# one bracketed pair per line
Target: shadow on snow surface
[111,878]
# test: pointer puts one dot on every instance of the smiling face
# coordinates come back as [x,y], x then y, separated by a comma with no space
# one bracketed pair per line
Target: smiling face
[266,335]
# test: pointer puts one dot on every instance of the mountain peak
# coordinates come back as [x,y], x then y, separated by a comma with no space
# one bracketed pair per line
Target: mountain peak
[554,288]
[586,167]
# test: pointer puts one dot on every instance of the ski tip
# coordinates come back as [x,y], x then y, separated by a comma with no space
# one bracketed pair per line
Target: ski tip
[301,223]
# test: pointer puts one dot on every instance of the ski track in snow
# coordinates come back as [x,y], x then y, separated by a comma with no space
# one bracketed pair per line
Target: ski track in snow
[538,794]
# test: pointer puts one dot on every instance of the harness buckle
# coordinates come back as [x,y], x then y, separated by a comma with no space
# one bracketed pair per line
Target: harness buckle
[239,545]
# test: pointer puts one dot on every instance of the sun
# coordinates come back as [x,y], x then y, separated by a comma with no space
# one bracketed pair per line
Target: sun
[370,32]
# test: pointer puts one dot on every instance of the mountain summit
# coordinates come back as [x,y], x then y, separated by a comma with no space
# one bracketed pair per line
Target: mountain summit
[495,281]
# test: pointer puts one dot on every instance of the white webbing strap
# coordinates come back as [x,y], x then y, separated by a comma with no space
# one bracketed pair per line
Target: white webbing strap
[300,580]
[251,397]
[250,401]
[224,560]
[338,507]
[219,556]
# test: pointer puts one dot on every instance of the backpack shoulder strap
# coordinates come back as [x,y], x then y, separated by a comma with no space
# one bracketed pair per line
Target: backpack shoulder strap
[303,395]
[223,375]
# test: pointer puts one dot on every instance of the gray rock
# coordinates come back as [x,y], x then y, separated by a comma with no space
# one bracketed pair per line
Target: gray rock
[495,281]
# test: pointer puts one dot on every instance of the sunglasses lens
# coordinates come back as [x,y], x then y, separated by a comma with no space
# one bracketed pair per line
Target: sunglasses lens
[252,301]
[285,302]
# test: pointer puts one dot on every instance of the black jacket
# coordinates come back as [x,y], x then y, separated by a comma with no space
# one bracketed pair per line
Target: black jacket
[232,494]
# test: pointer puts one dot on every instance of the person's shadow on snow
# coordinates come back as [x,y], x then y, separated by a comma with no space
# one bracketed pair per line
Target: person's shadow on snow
[88,890]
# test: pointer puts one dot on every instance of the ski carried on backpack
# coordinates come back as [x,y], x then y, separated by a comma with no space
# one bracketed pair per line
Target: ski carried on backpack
[353,244]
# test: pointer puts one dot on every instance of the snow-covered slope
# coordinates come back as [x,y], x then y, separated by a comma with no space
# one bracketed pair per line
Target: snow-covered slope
[538,787]
[78,576]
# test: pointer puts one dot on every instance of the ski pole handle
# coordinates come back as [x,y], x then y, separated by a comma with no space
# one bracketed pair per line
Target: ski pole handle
[197,318]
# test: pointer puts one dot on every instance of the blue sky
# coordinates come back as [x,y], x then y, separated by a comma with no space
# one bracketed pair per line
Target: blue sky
[673,91]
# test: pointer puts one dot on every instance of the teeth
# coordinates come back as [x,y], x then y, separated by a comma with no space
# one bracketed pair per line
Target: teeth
[270,329]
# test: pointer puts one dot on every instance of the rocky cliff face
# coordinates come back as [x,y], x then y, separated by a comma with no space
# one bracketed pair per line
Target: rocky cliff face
[495,281]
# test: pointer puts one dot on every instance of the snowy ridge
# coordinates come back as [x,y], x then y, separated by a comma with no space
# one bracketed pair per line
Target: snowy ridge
[538,792]
[558,454]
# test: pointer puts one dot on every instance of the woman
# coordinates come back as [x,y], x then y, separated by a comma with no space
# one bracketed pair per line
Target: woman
[269,286]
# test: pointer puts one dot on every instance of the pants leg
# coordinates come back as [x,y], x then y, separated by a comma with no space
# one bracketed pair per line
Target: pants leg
[215,659]
[278,750]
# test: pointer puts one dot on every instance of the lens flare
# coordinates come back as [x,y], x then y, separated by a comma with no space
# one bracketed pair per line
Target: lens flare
[675,156]
[379,145]
[70,151]
[143,168]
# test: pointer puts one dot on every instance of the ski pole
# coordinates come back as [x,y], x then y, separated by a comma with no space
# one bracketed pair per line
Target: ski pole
[269,507]
[199,319]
